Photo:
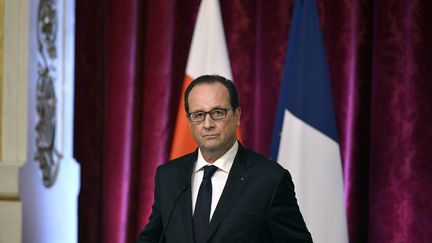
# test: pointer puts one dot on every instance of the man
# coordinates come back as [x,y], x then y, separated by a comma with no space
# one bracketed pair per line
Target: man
[223,192]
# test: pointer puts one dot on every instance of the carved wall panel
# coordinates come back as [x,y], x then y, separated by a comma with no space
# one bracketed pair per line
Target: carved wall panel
[46,104]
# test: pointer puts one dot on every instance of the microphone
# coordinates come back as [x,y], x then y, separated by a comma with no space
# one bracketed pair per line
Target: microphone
[183,188]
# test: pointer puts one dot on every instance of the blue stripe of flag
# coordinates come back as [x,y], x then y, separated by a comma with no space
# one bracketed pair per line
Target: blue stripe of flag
[305,88]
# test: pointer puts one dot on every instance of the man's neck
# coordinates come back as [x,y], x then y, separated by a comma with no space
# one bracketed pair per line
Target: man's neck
[211,156]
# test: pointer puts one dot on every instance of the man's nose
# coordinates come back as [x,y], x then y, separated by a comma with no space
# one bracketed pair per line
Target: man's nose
[208,121]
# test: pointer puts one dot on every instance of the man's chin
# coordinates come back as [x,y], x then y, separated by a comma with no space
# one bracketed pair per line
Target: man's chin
[211,146]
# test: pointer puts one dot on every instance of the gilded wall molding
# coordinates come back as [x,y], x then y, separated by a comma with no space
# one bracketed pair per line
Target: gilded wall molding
[46,100]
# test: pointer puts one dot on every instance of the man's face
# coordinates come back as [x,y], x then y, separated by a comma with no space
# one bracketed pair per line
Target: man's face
[210,135]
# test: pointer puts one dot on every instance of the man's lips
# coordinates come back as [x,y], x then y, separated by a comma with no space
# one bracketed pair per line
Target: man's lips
[210,135]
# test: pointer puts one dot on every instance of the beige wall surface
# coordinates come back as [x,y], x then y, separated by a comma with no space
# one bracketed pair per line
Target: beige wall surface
[13,113]
[1,68]
[9,232]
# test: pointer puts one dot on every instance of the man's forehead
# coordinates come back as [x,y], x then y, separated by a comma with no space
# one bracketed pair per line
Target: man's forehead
[209,88]
[215,95]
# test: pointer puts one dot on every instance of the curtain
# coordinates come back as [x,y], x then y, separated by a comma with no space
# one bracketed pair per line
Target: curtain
[130,63]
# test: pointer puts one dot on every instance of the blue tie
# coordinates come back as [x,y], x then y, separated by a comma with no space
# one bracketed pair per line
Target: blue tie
[201,217]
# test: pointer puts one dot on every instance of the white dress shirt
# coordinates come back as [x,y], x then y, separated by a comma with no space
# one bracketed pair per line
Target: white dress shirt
[218,179]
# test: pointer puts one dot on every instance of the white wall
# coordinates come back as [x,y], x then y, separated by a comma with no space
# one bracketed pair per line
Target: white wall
[50,213]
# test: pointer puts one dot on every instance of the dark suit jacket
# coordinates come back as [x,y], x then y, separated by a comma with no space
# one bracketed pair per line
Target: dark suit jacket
[258,204]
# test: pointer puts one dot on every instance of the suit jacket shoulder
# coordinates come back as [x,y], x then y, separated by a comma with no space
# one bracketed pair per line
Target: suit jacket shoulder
[260,165]
[178,163]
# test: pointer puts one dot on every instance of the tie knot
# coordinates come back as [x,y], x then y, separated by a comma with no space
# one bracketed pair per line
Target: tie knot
[209,170]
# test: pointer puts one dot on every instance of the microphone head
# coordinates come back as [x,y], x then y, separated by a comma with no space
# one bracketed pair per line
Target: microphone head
[185,187]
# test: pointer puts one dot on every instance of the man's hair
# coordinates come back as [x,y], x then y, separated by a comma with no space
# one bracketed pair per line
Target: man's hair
[211,79]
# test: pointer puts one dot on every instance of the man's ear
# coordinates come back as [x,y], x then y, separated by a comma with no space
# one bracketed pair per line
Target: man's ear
[237,115]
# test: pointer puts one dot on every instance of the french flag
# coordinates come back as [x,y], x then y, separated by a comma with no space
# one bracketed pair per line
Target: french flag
[305,139]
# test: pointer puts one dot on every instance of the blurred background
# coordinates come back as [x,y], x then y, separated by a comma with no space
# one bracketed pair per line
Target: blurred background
[91,91]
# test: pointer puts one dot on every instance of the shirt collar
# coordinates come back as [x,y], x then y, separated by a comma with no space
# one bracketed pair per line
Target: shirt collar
[224,163]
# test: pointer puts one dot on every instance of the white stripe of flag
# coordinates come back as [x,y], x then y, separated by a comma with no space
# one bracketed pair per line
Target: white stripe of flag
[305,136]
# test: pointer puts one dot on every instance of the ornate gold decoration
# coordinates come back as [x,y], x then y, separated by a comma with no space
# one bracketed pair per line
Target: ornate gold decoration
[46,103]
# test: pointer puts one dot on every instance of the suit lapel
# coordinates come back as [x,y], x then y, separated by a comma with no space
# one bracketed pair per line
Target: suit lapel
[237,180]
[185,203]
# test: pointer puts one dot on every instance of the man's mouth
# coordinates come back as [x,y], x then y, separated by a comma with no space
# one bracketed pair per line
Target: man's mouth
[210,135]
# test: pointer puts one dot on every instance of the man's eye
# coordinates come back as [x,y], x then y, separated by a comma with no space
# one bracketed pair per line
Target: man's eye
[198,115]
[218,112]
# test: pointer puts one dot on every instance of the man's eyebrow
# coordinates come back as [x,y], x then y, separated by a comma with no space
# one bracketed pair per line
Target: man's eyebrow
[213,108]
